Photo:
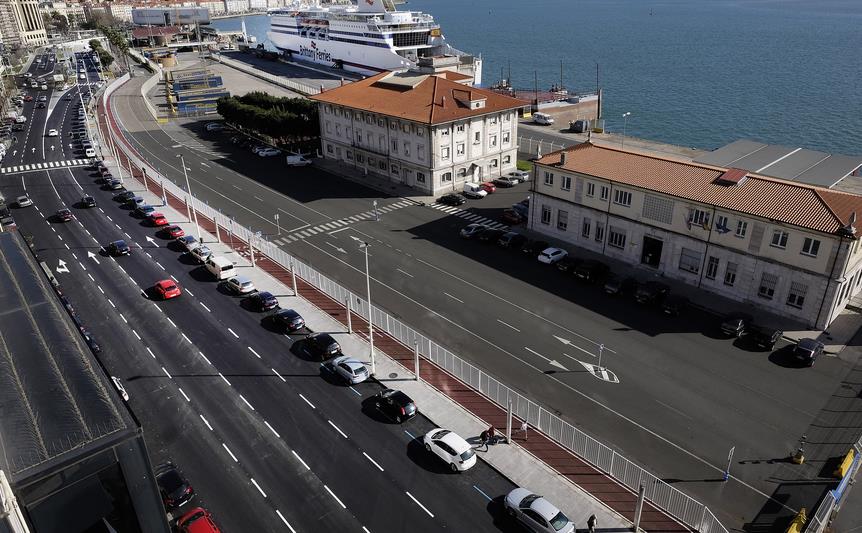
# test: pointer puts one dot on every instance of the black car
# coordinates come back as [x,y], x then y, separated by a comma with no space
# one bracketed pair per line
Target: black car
[40,105]
[176,491]
[118,248]
[592,271]
[91,342]
[490,235]
[763,336]
[534,248]
[115,185]
[263,301]
[395,405]
[512,239]
[735,324]
[321,345]
[452,199]
[124,196]
[288,320]
[808,350]
[622,286]
[568,264]
[652,292]
[674,305]
[88,201]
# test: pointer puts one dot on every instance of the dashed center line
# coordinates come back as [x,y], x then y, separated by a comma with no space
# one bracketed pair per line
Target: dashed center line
[230,452]
[253,482]
[420,505]
[241,397]
[233,333]
[508,325]
[335,497]
[298,458]
[252,351]
[373,461]
[272,429]
[454,298]
[306,401]
[337,429]
[206,422]
[184,396]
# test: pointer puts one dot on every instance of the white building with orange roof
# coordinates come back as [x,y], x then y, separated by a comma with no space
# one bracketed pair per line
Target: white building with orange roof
[429,131]
[787,247]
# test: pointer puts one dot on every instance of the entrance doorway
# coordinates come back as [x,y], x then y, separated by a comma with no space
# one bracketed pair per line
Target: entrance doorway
[651,255]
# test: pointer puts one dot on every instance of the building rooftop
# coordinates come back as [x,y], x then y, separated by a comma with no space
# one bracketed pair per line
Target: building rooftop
[54,398]
[798,204]
[426,98]
[146,32]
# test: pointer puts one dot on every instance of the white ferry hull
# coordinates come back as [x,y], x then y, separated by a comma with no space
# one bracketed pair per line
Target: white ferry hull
[366,60]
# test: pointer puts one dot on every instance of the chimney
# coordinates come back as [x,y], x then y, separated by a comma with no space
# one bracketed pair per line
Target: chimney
[562,159]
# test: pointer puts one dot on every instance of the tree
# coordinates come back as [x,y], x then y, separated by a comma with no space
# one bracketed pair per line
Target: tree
[95,44]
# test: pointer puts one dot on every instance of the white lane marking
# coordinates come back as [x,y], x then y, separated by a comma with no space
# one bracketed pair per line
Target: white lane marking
[419,504]
[148,255]
[160,266]
[224,378]
[167,373]
[151,353]
[186,338]
[154,305]
[405,273]
[75,256]
[373,461]
[232,332]
[365,529]
[136,334]
[337,429]
[206,422]
[456,299]
[241,397]
[253,482]
[230,452]
[335,497]
[100,289]
[283,519]
[190,292]
[91,277]
[298,458]
[82,266]
[171,321]
[118,227]
[272,429]
[67,246]
[508,325]
[204,306]
[175,279]
[112,303]
[60,237]
[124,318]
[184,396]
[306,401]
[109,218]
[205,358]
[252,351]
[279,375]
[677,411]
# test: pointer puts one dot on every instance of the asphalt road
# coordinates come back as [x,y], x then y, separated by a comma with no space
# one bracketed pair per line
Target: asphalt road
[266,441]
[684,397]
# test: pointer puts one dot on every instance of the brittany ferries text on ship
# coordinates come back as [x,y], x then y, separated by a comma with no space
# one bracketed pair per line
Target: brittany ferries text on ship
[369,37]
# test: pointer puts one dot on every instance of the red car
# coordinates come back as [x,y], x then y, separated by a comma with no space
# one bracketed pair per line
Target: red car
[174,231]
[198,520]
[28,98]
[157,219]
[167,289]
[510,216]
[488,187]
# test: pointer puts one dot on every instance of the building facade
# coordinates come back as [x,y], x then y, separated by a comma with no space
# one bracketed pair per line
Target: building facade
[8,25]
[28,22]
[120,12]
[426,131]
[785,247]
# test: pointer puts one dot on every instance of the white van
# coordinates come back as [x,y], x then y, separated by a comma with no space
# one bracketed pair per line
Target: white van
[543,118]
[474,190]
[297,161]
[220,267]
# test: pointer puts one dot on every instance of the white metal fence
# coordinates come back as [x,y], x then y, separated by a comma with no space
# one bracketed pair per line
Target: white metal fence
[282,81]
[674,502]
[823,515]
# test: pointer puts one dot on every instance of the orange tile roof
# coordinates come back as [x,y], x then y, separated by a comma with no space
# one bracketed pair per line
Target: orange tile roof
[432,100]
[792,203]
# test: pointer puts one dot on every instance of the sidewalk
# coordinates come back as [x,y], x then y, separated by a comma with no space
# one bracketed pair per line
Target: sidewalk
[533,460]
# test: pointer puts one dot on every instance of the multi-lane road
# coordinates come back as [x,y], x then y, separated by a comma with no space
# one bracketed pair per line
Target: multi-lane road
[267,441]
[684,396]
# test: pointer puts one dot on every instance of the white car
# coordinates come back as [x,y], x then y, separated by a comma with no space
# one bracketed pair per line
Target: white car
[24,201]
[89,152]
[201,253]
[520,175]
[82,70]
[351,370]
[120,388]
[215,126]
[82,76]
[268,152]
[240,285]
[536,513]
[21,119]
[549,256]
[44,87]
[450,447]
[53,133]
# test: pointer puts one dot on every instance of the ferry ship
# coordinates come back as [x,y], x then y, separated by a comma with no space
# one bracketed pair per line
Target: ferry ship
[368,37]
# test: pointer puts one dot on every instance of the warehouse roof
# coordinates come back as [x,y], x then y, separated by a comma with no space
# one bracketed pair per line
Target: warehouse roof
[799,204]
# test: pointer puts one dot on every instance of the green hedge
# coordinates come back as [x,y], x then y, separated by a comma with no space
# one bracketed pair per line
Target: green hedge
[284,119]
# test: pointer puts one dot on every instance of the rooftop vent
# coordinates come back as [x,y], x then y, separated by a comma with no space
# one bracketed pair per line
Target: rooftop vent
[563,159]
[731,177]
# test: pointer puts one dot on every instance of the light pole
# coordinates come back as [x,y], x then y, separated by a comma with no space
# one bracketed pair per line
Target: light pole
[191,198]
[277,224]
[626,116]
[376,214]
[364,245]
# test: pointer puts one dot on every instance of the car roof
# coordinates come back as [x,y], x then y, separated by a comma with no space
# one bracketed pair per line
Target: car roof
[321,337]
[456,442]
[809,344]
[287,312]
[241,279]
[551,250]
[120,242]
[544,508]
[398,396]
[166,283]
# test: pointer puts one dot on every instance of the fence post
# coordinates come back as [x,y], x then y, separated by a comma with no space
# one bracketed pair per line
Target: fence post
[416,359]
[144,172]
[639,508]
[509,421]
[215,221]
[293,277]
[349,320]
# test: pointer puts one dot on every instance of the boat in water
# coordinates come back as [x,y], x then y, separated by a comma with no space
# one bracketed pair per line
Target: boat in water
[368,37]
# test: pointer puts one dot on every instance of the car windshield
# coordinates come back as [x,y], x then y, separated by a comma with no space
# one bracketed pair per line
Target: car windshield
[171,481]
[440,434]
[467,455]
[170,287]
[559,521]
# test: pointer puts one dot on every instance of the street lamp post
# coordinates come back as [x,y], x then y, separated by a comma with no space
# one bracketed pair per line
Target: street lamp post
[277,224]
[626,116]
[191,198]
[364,245]
[376,214]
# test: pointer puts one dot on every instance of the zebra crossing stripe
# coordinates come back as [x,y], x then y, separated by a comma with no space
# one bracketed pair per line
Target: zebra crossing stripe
[292,238]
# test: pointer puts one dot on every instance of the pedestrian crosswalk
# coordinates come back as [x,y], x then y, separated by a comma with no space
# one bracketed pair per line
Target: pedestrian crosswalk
[341,223]
[471,217]
[48,165]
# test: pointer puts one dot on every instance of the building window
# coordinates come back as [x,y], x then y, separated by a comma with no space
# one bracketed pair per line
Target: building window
[585,228]
[796,296]
[477,137]
[420,152]
[779,239]
[462,172]
[381,122]
[392,126]
[591,189]
[699,217]
[546,215]
[507,159]
[420,132]
[623,198]
[658,208]
[566,183]
[492,164]
[444,152]
[369,119]
[767,285]
[395,145]
[741,228]
[327,109]
[562,220]
[603,193]
[444,132]
[406,149]
[689,260]
[459,149]
[328,127]
[730,274]
[616,237]
[447,176]
[492,140]
[394,170]
[349,155]
[600,231]
[711,268]
[328,148]
[549,178]
[810,247]
[721,222]
[382,165]
[420,177]
[505,137]
[338,129]
[459,128]
[494,119]
[360,158]
[358,136]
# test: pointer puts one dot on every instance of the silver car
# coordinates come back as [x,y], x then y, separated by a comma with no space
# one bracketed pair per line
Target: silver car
[240,285]
[201,253]
[536,513]
[24,201]
[351,370]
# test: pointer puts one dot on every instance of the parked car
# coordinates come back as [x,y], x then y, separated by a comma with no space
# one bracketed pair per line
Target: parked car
[506,181]
[118,384]
[592,271]
[472,230]
[175,489]
[511,239]
[115,185]
[288,320]
[551,255]
[534,247]
[488,187]
[452,199]
[736,324]
[240,285]
[321,345]
[269,152]
[451,448]
[144,210]
[349,369]
[808,350]
[263,301]
[652,292]
[52,133]
[622,286]
[214,126]
[173,231]
[674,305]
[201,253]
[167,289]
[157,219]
[536,513]
[395,405]
[124,196]
[490,235]
[186,242]
[510,216]
[520,175]
[117,248]
[568,264]
[198,520]
[24,201]
[763,336]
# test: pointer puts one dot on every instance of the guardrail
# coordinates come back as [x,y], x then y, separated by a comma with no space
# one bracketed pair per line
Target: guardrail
[831,502]
[664,496]
[287,83]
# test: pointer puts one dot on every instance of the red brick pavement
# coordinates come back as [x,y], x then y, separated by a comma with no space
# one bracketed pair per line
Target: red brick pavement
[609,491]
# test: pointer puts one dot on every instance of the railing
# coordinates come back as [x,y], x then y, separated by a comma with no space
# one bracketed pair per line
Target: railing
[301,88]
[671,500]
[832,501]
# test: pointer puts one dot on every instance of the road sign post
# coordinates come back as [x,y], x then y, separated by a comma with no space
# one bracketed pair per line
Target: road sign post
[729,459]
[601,349]
[277,225]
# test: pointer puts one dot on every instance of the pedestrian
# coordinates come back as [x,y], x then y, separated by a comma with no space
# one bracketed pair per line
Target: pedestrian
[492,435]
[483,438]
[591,523]
[524,429]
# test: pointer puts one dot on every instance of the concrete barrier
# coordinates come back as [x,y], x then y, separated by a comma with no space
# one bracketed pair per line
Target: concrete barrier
[844,467]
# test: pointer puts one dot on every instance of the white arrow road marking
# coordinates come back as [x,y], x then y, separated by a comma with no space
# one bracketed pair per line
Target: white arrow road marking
[152,241]
[600,373]
[550,361]
[92,256]
[62,268]
[342,250]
